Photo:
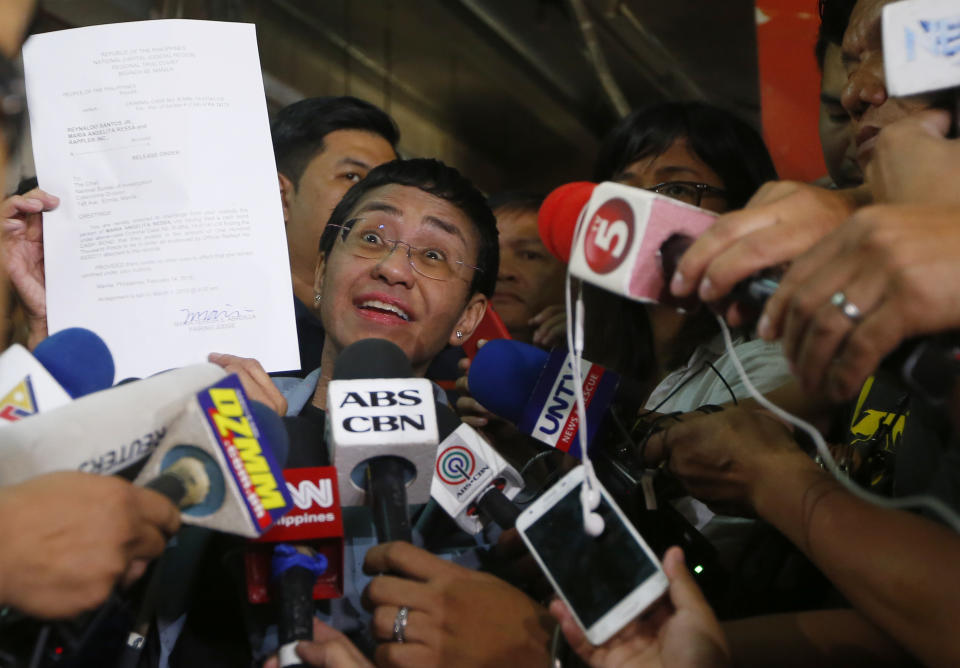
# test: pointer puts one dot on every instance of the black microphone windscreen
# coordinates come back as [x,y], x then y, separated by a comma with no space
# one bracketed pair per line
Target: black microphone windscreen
[272,430]
[447,421]
[372,358]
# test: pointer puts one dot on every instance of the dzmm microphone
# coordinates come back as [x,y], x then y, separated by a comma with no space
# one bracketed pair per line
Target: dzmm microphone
[381,433]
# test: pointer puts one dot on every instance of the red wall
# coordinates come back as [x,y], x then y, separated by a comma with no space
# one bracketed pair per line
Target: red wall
[790,86]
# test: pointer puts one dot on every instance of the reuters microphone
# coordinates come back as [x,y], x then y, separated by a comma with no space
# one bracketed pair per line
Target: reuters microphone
[64,366]
[381,433]
[471,481]
[105,432]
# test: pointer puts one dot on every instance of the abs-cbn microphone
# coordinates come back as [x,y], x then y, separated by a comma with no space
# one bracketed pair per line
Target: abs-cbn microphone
[381,433]
[104,432]
[471,481]
[69,364]
[216,436]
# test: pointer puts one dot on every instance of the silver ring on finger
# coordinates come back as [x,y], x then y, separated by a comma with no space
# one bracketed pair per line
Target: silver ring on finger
[848,308]
[400,625]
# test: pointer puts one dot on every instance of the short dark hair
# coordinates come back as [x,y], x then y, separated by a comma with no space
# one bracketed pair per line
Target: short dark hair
[299,129]
[437,179]
[834,17]
[519,201]
[728,145]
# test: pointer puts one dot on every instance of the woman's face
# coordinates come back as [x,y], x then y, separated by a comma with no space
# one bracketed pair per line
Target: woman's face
[677,164]
[387,298]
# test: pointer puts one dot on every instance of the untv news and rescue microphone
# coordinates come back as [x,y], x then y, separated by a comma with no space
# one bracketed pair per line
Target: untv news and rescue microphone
[534,390]
[104,432]
[382,433]
[67,365]
[471,481]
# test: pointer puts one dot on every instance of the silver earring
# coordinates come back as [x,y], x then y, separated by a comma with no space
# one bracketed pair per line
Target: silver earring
[316,299]
[459,335]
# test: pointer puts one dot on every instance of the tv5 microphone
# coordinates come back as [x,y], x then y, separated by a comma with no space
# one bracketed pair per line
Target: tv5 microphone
[219,465]
[381,433]
[69,364]
[471,481]
[104,432]
[628,240]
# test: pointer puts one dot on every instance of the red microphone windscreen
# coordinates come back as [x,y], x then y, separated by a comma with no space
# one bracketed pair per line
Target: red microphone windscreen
[558,217]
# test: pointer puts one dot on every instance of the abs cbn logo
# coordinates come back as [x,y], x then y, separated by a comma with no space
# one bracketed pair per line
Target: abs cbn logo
[455,465]
[609,236]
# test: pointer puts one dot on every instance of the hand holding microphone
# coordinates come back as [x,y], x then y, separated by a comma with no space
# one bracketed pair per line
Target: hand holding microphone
[70,536]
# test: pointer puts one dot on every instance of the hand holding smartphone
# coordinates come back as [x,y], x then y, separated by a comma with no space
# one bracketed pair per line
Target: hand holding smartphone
[605,581]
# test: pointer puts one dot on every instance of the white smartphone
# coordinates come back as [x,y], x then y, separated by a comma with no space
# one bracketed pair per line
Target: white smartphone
[607,580]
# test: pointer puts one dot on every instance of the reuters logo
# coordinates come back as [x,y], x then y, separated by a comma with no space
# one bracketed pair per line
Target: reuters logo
[609,236]
[455,465]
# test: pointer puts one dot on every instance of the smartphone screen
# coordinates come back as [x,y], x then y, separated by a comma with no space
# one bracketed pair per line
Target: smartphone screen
[594,573]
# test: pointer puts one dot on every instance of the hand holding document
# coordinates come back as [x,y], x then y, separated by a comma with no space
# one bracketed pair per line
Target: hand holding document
[169,239]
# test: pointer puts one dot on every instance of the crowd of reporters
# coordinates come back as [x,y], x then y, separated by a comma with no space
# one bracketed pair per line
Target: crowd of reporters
[814,574]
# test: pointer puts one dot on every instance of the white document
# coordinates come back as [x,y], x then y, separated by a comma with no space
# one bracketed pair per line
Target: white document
[169,240]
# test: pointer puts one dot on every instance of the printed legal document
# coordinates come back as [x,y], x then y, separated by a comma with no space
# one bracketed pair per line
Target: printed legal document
[169,239]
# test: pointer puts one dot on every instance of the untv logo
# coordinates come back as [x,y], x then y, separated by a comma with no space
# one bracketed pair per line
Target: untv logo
[609,236]
[455,465]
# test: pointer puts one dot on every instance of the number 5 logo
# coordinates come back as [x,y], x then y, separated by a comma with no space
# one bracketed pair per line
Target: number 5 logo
[609,236]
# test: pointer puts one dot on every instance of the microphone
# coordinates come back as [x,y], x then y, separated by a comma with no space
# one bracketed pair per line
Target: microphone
[534,390]
[104,432]
[628,240]
[471,481]
[302,555]
[921,51]
[381,431]
[193,478]
[69,364]
[218,463]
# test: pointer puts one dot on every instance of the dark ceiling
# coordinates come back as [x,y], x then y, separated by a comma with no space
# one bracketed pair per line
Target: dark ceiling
[510,83]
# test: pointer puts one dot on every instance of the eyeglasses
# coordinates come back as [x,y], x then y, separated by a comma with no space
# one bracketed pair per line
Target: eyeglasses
[13,104]
[435,260]
[687,191]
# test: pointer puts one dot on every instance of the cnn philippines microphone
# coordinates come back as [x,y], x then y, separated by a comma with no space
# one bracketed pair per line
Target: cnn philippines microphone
[217,464]
[381,431]
[69,364]
[104,432]
[301,558]
[471,481]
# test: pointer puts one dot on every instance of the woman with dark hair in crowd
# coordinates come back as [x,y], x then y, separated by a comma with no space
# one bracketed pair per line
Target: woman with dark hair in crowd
[707,157]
